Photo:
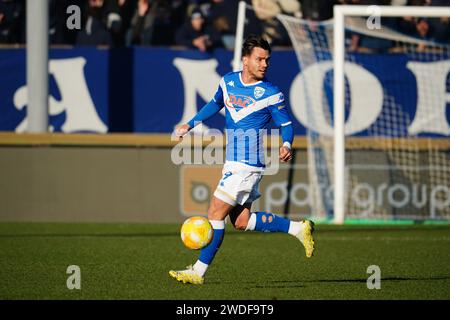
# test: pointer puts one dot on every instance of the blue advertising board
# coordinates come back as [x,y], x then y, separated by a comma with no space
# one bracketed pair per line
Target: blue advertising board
[151,90]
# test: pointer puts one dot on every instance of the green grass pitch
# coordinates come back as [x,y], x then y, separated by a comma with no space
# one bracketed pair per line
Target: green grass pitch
[131,261]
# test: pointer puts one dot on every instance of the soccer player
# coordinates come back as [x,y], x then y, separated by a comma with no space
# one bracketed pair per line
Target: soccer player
[251,101]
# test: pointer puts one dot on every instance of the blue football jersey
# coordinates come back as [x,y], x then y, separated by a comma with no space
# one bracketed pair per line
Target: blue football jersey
[249,110]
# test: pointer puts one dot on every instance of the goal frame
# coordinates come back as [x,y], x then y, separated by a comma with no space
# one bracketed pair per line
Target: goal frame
[340,12]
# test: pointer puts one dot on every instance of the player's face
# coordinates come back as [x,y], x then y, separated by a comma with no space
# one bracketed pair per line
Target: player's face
[257,63]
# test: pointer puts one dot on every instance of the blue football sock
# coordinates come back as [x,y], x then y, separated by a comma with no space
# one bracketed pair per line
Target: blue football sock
[207,254]
[269,222]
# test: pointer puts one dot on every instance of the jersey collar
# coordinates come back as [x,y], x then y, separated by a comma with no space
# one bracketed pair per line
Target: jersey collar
[247,85]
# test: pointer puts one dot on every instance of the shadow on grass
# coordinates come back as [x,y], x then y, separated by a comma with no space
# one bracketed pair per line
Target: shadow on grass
[382,279]
[298,283]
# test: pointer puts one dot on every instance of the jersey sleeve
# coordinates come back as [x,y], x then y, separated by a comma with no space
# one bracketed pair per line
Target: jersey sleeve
[278,110]
[218,97]
[282,119]
[209,109]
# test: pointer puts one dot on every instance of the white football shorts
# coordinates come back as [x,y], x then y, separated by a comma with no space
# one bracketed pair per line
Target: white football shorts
[239,183]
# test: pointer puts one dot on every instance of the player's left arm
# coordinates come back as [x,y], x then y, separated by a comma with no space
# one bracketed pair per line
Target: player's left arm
[282,120]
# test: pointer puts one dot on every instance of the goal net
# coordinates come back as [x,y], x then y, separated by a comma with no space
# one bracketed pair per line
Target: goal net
[395,162]
[395,119]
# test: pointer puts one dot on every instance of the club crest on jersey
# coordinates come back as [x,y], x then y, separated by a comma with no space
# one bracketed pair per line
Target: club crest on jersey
[239,101]
[258,92]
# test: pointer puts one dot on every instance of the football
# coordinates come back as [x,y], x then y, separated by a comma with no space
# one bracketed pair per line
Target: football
[196,232]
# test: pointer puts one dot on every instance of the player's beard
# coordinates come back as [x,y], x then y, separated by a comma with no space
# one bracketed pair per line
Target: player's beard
[255,75]
[259,75]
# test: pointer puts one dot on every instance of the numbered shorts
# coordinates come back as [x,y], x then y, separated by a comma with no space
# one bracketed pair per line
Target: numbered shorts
[238,185]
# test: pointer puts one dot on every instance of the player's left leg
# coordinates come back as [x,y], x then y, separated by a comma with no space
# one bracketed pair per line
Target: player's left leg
[243,219]
[194,274]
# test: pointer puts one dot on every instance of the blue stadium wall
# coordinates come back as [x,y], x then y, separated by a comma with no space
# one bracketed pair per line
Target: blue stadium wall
[150,90]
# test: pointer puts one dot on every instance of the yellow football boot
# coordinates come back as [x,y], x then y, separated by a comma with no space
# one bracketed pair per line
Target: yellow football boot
[306,237]
[187,276]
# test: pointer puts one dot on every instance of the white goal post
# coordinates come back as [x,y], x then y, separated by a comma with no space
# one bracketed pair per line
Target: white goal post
[340,12]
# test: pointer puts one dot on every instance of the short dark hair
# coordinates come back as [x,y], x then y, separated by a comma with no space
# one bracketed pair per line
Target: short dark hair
[254,41]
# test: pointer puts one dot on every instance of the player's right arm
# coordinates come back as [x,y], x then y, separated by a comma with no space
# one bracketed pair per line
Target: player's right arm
[208,110]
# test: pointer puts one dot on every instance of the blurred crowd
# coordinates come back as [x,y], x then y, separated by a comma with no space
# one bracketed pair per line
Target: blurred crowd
[198,24]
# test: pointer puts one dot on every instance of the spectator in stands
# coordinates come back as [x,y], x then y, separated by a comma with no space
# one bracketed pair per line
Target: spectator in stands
[155,22]
[440,26]
[273,30]
[196,33]
[203,6]
[317,10]
[165,21]
[223,17]
[113,20]
[439,3]
[368,44]
[178,12]
[12,21]
[121,11]
[126,11]
[141,28]
[429,29]
[407,25]
[95,30]
[434,29]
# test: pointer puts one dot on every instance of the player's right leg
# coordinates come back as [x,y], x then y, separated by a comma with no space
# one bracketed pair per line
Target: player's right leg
[243,219]
[194,274]
[270,222]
